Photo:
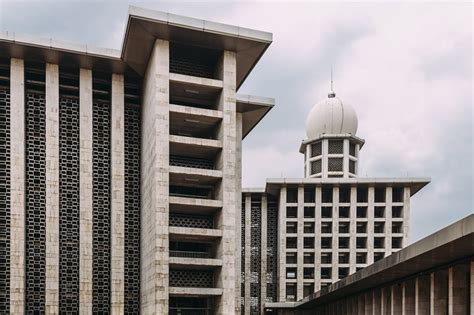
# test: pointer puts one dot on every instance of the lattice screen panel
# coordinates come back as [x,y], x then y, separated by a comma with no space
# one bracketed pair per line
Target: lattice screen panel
[132,210]
[69,205]
[101,207]
[4,201]
[184,161]
[335,164]
[255,253]
[316,167]
[272,249]
[192,61]
[191,220]
[316,149]
[192,278]
[335,147]
[35,202]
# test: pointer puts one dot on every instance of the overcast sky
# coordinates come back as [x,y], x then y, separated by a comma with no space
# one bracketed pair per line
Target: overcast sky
[406,68]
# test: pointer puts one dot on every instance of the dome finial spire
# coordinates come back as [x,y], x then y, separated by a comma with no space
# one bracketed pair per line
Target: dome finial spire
[331,94]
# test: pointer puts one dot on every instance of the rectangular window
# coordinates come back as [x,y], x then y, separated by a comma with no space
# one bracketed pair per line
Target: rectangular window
[291,212]
[309,194]
[362,194]
[309,212]
[316,167]
[362,212]
[326,227]
[379,194]
[336,147]
[291,195]
[345,194]
[326,258]
[335,164]
[326,193]
[316,149]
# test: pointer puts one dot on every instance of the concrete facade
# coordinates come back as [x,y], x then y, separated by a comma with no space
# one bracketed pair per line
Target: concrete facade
[167,102]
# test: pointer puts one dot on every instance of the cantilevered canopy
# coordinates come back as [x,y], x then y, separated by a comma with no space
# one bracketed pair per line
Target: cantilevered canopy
[145,26]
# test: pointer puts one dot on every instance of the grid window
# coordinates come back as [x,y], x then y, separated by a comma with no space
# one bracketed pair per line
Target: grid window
[326,212]
[397,227]
[343,272]
[291,292]
[316,167]
[292,195]
[291,258]
[309,212]
[326,192]
[326,242]
[290,273]
[352,166]
[397,194]
[379,194]
[379,227]
[308,273]
[343,242]
[343,227]
[397,242]
[308,227]
[379,242]
[326,258]
[397,212]
[362,212]
[308,242]
[361,227]
[326,227]
[345,194]
[291,242]
[362,194]
[352,149]
[308,289]
[343,258]
[335,147]
[361,258]
[344,212]
[335,164]
[379,212]
[291,227]
[309,194]
[316,149]
[308,258]
[291,212]
[378,256]
[361,242]
[326,272]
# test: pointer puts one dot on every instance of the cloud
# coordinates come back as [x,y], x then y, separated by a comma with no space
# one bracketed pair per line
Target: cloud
[405,67]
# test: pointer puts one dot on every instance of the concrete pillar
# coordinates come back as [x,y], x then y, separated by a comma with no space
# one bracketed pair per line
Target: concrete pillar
[377,300]
[17,186]
[230,172]
[52,189]
[406,216]
[408,297]
[353,230]
[238,215]
[439,292]
[422,295]
[85,199]
[361,304]
[345,159]
[282,246]
[458,290]
[386,301]
[388,221]
[335,234]
[154,253]
[317,241]
[248,252]
[118,195]
[324,158]
[263,266]
[396,299]
[370,225]
[369,307]
[300,237]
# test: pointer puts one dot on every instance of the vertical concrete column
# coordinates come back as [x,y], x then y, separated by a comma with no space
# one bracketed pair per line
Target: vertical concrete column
[300,246]
[282,246]
[438,292]
[229,185]
[52,189]
[406,216]
[17,186]
[377,300]
[324,158]
[85,199]
[118,195]
[335,233]
[154,245]
[238,215]
[408,297]
[396,299]
[370,225]
[352,230]
[263,266]
[458,289]
[357,149]
[422,295]
[386,300]
[472,286]
[248,252]
[369,306]
[388,221]
[317,241]
[345,159]
[361,304]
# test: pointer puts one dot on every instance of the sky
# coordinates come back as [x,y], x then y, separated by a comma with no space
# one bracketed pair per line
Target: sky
[405,67]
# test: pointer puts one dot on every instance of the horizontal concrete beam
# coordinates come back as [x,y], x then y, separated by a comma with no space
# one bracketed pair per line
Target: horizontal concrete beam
[194,111]
[178,291]
[195,263]
[192,80]
[194,233]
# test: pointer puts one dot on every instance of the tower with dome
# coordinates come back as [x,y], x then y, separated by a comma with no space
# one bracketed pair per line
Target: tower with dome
[300,235]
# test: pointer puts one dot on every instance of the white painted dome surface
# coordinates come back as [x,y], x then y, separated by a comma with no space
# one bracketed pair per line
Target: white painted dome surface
[331,116]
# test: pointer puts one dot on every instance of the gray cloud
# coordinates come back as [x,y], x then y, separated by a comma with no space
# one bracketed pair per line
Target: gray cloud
[405,67]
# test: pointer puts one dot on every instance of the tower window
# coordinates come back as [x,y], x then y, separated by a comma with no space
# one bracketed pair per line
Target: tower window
[352,166]
[352,149]
[316,149]
[335,147]
[335,164]
[379,194]
[316,167]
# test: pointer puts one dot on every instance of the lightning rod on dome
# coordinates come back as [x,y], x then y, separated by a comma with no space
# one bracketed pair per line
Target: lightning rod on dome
[331,94]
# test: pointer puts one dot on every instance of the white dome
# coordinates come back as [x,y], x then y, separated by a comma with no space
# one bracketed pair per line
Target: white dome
[331,116]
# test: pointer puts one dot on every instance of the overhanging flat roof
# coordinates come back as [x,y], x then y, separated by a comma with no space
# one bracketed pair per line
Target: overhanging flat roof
[253,109]
[145,26]
[453,243]
[415,183]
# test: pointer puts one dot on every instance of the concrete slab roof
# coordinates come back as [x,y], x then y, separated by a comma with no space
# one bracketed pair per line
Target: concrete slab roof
[253,109]
[415,183]
[143,27]
[450,244]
